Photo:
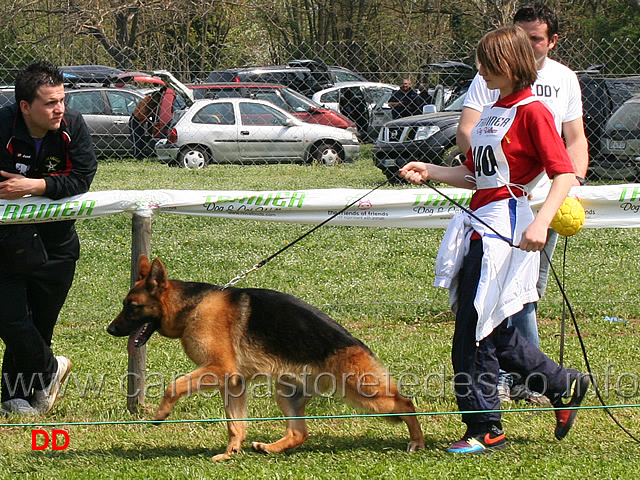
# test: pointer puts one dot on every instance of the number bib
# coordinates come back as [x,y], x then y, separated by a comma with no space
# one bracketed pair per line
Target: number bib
[492,169]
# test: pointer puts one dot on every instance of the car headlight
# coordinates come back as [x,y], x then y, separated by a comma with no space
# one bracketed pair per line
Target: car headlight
[354,138]
[422,133]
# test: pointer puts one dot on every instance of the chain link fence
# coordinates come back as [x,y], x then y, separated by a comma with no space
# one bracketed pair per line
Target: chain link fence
[607,70]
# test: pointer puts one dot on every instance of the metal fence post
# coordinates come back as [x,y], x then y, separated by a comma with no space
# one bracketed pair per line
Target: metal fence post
[140,244]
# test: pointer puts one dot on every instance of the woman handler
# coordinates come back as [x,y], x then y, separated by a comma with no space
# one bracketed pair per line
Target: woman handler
[514,141]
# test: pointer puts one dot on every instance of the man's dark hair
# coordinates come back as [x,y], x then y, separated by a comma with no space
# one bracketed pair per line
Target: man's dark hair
[538,11]
[33,76]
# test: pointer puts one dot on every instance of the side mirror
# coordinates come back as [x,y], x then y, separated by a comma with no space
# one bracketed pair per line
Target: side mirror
[290,122]
[429,109]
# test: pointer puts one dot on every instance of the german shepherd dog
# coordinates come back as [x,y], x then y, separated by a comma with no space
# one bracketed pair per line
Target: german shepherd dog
[235,335]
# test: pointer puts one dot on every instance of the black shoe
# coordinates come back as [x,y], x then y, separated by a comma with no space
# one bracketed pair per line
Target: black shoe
[565,418]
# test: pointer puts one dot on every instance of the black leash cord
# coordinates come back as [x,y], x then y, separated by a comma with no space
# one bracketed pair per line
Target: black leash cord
[291,244]
[469,212]
[584,354]
[566,302]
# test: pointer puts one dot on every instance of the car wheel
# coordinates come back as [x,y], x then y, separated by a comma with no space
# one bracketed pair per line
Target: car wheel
[326,154]
[193,158]
[453,157]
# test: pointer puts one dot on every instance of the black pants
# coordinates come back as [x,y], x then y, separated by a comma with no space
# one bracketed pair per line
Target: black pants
[29,310]
[476,364]
[141,138]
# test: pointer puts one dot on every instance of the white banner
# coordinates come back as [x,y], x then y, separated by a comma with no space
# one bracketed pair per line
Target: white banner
[608,206]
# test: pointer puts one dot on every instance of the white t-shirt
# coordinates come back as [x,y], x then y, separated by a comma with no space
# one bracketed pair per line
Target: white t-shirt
[557,86]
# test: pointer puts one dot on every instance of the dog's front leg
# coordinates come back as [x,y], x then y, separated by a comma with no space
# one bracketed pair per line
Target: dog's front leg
[202,378]
[234,397]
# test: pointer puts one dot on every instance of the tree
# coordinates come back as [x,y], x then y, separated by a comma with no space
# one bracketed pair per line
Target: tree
[132,32]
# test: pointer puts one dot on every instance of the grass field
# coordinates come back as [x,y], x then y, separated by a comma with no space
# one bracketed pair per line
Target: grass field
[374,281]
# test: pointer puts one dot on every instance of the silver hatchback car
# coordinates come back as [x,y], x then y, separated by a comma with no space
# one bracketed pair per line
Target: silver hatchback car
[248,131]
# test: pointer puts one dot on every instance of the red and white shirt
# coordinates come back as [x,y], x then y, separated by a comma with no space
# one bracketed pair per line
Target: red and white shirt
[514,140]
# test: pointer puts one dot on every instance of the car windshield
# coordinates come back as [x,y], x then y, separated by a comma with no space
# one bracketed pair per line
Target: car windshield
[298,102]
[384,100]
[457,104]
[626,118]
[378,93]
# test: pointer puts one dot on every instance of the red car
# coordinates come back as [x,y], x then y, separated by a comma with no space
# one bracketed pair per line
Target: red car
[293,102]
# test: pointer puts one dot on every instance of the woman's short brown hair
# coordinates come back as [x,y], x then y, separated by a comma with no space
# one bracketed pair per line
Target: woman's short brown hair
[507,51]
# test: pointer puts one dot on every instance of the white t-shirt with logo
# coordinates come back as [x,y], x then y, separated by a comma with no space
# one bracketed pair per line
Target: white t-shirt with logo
[557,86]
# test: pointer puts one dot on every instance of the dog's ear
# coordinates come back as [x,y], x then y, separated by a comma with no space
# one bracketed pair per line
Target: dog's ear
[157,277]
[143,266]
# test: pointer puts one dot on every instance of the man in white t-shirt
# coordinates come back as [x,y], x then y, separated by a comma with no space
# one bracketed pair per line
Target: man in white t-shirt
[559,88]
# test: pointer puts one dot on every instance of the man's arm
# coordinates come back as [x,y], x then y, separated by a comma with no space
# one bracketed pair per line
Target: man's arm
[577,146]
[468,119]
[17,186]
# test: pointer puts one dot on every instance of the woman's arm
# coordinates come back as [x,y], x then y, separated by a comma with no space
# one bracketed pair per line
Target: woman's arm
[418,172]
[535,235]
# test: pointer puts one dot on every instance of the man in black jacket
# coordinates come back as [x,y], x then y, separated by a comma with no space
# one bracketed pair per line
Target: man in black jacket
[405,101]
[45,150]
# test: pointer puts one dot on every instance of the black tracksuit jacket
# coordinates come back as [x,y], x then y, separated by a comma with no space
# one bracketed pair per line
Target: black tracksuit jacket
[66,161]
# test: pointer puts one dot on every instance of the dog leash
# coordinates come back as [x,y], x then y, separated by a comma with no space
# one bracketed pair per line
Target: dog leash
[258,265]
[566,304]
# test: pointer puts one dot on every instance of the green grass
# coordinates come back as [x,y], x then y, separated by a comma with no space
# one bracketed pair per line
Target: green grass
[376,282]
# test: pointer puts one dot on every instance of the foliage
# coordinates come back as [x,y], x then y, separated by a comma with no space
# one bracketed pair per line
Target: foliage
[200,30]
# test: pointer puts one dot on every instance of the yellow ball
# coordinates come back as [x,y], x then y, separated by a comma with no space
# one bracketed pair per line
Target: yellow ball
[569,218]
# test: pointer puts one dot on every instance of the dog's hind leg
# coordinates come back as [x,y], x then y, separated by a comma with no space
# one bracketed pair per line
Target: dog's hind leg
[292,405]
[369,386]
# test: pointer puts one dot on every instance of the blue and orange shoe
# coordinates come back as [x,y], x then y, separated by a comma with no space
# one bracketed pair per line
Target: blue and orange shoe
[565,418]
[486,442]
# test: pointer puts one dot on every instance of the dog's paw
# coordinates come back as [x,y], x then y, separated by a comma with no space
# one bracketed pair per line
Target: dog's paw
[158,418]
[221,457]
[260,447]
[415,446]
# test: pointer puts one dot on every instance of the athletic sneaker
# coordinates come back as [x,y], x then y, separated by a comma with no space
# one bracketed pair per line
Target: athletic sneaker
[494,439]
[520,392]
[505,381]
[565,418]
[19,406]
[43,400]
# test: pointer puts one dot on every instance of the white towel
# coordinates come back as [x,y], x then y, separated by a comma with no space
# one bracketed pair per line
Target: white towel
[508,275]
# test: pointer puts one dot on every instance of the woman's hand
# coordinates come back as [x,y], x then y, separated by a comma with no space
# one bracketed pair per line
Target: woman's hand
[415,172]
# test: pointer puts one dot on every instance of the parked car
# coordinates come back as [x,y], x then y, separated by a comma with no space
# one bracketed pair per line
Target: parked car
[247,131]
[356,100]
[619,154]
[293,102]
[106,110]
[452,76]
[137,80]
[303,76]
[427,138]
[601,97]
[90,73]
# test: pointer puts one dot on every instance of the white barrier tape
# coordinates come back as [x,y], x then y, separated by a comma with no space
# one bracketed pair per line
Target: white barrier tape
[607,206]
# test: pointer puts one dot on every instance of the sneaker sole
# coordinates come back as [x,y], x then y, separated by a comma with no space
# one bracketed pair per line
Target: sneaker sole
[582,387]
[55,390]
[484,451]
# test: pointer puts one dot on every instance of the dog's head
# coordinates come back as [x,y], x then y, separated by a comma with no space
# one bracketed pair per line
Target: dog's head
[142,311]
